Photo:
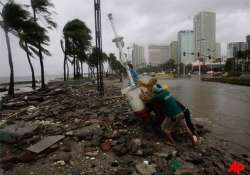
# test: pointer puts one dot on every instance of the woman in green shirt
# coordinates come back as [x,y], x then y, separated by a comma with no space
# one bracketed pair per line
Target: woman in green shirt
[172,112]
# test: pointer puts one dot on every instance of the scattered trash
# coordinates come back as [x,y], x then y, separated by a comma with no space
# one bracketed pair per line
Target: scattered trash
[60,162]
[106,146]
[145,168]
[92,154]
[174,165]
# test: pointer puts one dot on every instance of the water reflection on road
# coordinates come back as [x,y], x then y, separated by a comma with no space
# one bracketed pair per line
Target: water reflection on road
[224,108]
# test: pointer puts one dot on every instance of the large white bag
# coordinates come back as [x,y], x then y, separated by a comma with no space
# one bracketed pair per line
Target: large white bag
[132,94]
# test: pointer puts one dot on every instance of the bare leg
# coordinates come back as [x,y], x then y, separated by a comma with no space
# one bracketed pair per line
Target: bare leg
[190,134]
[170,138]
[166,127]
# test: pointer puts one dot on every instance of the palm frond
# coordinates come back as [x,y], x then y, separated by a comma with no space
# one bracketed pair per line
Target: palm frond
[14,15]
[42,8]
[50,22]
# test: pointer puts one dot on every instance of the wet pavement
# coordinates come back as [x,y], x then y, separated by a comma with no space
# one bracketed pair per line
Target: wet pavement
[224,108]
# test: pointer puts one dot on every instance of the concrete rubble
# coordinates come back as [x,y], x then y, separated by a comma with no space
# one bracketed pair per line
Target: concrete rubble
[88,134]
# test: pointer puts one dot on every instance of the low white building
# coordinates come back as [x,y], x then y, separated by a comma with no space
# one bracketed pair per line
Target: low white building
[138,56]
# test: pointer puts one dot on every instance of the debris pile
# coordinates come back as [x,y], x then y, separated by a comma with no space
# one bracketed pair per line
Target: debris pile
[68,129]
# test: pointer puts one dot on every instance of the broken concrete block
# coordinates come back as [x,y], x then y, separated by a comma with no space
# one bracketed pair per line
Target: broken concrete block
[13,133]
[89,131]
[45,143]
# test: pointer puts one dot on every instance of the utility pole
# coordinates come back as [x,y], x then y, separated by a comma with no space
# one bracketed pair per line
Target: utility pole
[98,37]
[128,53]
[118,40]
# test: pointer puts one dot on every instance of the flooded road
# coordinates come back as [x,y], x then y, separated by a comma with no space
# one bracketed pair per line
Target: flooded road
[224,108]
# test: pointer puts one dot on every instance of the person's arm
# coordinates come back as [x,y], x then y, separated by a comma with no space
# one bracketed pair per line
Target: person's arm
[135,75]
[157,98]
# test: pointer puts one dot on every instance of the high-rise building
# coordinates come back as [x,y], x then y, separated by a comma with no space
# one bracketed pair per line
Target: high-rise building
[248,44]
[174,50]
[218,50]
[234,47]
[185,45]
[204,35]
[248,41]
[138,56]
[158,54]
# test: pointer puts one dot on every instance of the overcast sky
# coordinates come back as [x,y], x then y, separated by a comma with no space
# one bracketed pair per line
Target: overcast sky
[139,21]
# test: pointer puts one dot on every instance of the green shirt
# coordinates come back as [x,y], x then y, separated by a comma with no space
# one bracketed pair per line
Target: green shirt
[168,103]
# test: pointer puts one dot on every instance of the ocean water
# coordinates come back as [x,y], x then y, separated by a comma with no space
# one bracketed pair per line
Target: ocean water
[28,78]
[25,87]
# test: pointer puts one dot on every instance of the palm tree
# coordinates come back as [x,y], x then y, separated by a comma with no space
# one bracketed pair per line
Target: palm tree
[29,39]
[13,18]
[116,66]
[42,7]
[77,42]
[65,62]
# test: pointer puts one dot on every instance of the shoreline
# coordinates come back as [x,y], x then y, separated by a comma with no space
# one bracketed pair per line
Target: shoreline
[101,135]
[229,80]
[18,83]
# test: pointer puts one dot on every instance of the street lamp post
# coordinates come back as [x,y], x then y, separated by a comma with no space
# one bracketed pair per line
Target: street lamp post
[129,53]
[98,37]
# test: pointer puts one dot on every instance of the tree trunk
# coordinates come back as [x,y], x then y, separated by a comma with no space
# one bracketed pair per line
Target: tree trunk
[67,64]
[82,68]
[77,69]
[88,72]
[64,67]
[31,67]
[11,83]
[40,56]
[120,76]
[74,64]
[42,68]
[91,72]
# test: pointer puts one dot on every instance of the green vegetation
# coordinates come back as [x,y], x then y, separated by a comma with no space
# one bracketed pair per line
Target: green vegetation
[239,64]
[230,80]
[77,41]
[166,67]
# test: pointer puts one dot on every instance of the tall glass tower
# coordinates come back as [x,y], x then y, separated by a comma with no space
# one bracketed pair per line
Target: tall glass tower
[205,35]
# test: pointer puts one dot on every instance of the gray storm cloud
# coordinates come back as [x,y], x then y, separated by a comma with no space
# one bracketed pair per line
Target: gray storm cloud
[139,21]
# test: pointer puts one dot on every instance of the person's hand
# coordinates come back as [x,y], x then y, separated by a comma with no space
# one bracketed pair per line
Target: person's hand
[142,95]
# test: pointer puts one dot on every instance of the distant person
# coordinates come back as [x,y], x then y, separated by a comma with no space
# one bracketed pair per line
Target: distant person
[133,73]
[173,114]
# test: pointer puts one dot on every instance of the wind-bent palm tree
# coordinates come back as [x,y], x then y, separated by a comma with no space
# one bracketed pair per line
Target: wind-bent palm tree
[64,60]
[77,42]
[29,39]
[13,18]
[42,7]
[116,66]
